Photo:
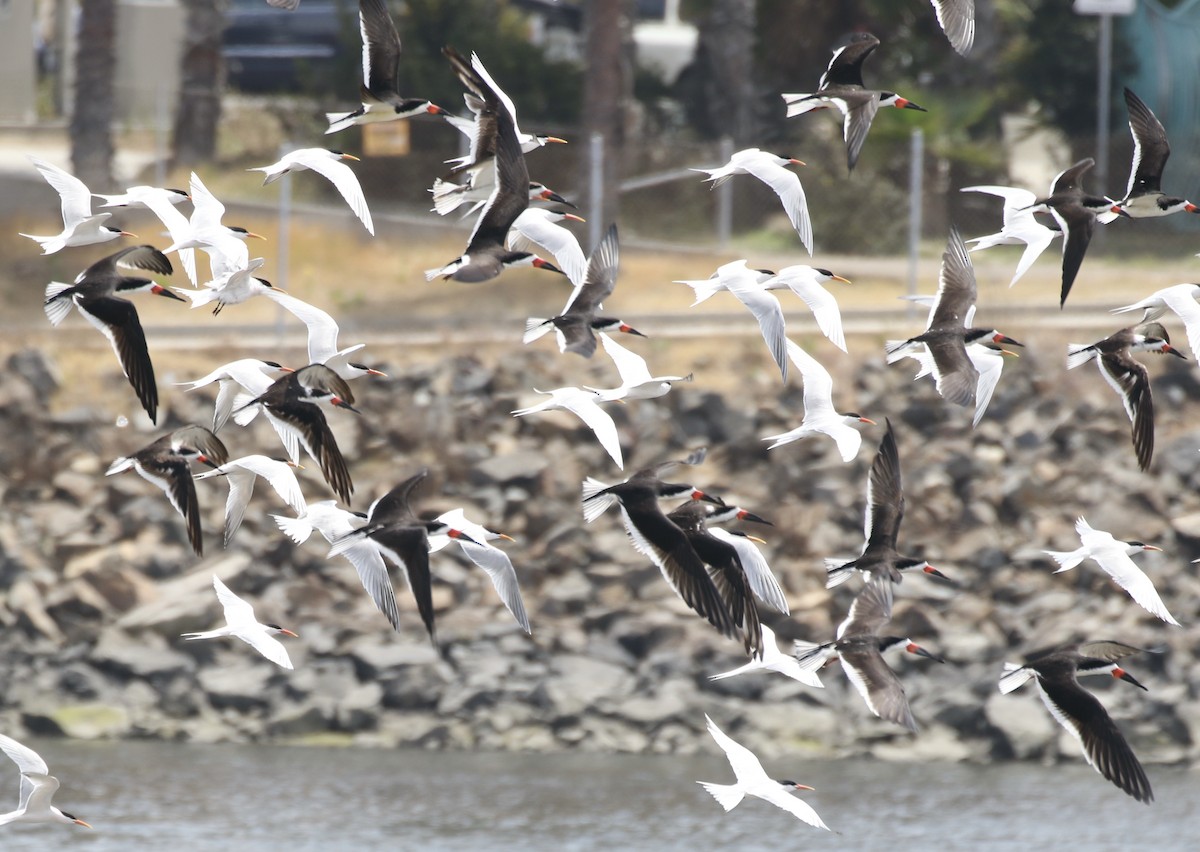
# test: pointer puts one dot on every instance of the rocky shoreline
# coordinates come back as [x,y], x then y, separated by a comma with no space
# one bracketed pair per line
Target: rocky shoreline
[97,580]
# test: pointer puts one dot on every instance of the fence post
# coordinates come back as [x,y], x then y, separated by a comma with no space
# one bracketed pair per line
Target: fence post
[285,226]
[595,189]
[916,176]
[724,223]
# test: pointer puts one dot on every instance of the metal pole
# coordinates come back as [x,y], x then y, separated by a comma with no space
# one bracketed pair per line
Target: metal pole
[595,189]
[1103,96]
[915,181]
[285,224]
[724,223]
[161,127]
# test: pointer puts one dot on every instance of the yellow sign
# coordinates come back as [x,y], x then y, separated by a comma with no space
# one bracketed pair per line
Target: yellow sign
[386,139]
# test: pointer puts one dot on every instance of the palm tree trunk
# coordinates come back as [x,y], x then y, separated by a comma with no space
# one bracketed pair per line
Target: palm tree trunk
[91,119]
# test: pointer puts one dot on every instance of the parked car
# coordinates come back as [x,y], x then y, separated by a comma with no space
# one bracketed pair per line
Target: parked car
[272,50]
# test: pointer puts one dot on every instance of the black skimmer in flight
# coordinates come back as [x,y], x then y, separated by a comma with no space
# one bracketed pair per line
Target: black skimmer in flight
[1144,196]
[397,533]
[448,197]
[774,660]
[1128,376]
[241,473]
[293,405]
[487,255]
[1075,212]
[494,561]
[328,164]
[165,464]
[947,332]
[141,196]
[885,510]
[819,414]
[752,780]
[841,86]
[1113,555]
[957,20]
[483,145]
[80,227]
[1056,674]
[1020,228]
[726,571]
[252,375]
[95,294]
[988,362]
[38,787]
[654,535]
[577,325]
[335,525]
[241,623]
[381,98]
[1180,298]
[861,648]
[772,170]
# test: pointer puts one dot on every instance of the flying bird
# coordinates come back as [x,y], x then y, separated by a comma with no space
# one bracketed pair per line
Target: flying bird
[774,660]
[636,381]
[577,325]
[1076,213]
[80,227]
[240,622]
[141,196]
[241,473]
[494,561]
[224,244]
[584,404]
[486,255]
[235,285]
[329,165]
[380,93]
[771,170]
[1144,196]
[752,780]
[861,648]
[660,539]
[819,414]
[537,227]
[1020,228]
[38,787]
[293,405]
[164,463]
[251,375]
[1113,556]
[1056,674]
[1180,298]
[948,332]
[881,524]
[988,361]
[95,294]
[841,86]
[323,333]
[1128,376]
[399,535]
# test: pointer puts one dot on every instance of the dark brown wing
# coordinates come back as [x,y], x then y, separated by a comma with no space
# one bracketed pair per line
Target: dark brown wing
[878,685]
[957,290]
[318,376]
[173,475]
[601,276]
[1079,224]
[394,507]
[135,257]
[381,50]
[312,430]
[885,496]
[117,319]
[408,547]
[1129,378]
[202,441]
[1069,180]
[1150,148]
[732,584]
[1104,746]
[1107,649]
[845,68]
[870,610]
